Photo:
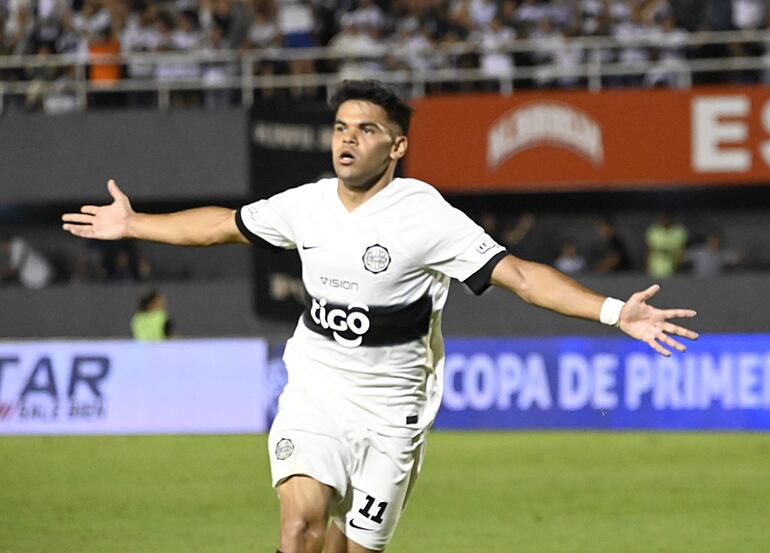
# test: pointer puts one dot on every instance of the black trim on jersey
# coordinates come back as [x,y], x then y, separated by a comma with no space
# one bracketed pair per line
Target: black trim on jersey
[388,326]
[255,239]
[478,282]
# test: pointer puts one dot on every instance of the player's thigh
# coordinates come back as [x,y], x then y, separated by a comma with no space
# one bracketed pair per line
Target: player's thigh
[304,498]
[303,443]
[380,486]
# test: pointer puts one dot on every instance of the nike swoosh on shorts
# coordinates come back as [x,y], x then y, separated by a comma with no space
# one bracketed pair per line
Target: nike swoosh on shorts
[354,525]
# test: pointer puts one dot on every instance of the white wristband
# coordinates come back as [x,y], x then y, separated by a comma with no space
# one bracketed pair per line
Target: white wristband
[610,313]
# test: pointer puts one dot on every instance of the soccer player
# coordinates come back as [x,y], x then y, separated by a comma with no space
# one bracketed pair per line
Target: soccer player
[366,360]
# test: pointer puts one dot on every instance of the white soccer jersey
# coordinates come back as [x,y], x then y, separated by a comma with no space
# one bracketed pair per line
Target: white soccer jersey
[369,343]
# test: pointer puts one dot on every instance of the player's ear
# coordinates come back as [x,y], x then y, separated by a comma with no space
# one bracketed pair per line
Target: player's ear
[399,147]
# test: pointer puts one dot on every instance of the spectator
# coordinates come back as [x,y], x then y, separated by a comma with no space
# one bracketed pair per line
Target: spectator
[216,73]
[150,322]
[89,264]
[517,234]
[91,21]
[176,36]
[169,330]
[360,50]
[490,223]
[70,39]
[570,262]
[229,16]
[460,16]
[564,14]
[711,259]
[50,15]
[186,36]
[531,239]
[530,14]
[665,241]
[20,27]
[122,262]
[367,16]
[495,40]
[671,67]
[482,12]
[21,263]
[635,35]
[608,254]
[141,35]
[297,25]
[749,14]
[40,76]
[104,74]
[264,32]
[591,12]
[414,49]
[7,47]
[556,54]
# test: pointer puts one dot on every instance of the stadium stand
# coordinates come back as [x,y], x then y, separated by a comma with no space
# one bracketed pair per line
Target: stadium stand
[63,55]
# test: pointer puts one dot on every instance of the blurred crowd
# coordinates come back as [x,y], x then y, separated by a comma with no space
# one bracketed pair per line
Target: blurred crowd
[366,35]
[29,264]
[666,247]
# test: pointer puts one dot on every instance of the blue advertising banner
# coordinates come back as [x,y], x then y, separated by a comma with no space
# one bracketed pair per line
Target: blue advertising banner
[721,383]
[125,387]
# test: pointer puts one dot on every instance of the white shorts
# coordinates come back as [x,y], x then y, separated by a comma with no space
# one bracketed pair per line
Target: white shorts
[371,473]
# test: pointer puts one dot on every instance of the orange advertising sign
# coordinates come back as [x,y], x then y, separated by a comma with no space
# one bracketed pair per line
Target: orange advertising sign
[583,140]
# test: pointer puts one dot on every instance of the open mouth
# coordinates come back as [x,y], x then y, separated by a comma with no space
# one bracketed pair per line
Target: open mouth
[346,158]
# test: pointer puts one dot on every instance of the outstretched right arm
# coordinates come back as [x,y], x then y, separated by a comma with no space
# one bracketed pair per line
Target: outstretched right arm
[203,226]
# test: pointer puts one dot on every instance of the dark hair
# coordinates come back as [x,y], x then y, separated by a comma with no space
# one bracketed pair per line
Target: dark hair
[399,112]
[147,298]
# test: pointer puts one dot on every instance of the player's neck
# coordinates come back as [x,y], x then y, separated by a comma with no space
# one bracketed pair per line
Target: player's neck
[354,196]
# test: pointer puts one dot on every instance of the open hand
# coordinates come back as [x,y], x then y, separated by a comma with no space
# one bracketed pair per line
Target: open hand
[644,322]
[107,222]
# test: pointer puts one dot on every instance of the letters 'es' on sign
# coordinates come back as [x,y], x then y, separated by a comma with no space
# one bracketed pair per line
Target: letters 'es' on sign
[584,140]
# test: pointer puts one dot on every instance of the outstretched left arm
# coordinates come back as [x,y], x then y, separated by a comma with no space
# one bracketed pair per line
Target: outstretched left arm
[546,287]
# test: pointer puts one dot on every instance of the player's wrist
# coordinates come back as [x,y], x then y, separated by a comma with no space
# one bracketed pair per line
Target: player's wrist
[610,311]
[132,225]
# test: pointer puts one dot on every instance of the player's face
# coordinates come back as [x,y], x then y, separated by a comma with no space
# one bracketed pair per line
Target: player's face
[365,144]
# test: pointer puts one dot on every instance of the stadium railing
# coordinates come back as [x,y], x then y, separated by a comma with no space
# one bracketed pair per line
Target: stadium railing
[599,66]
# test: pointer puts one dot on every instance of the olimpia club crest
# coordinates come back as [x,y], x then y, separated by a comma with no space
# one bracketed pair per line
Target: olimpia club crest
[284,449]
[376,258]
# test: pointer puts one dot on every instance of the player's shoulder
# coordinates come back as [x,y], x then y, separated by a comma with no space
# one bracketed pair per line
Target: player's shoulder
[416,191]
[318,187]
[307,192]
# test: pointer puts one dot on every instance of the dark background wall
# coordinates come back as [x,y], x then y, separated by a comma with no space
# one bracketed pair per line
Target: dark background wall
[223,307]
[175,155]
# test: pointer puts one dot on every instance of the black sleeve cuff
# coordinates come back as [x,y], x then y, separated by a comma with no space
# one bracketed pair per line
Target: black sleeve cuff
[478,282]
[255,239]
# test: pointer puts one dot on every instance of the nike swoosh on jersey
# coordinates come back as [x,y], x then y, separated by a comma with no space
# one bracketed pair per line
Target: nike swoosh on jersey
[354,525]
[304,247]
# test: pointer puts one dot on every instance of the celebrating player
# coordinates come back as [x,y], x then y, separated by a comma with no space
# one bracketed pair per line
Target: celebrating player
[365,363]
